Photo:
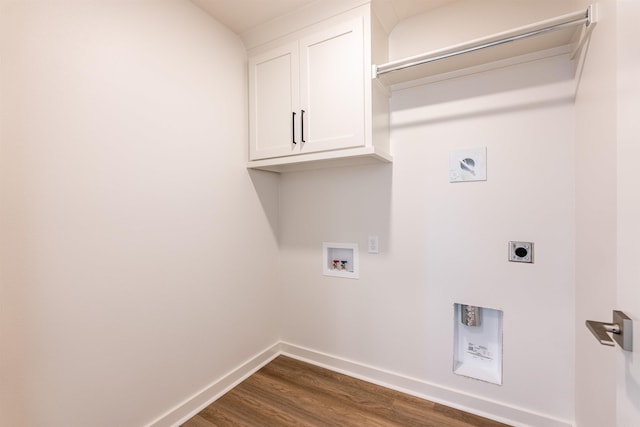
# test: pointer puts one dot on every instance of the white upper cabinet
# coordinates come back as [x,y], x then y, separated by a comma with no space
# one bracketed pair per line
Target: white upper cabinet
[274,93]
[332,88]
[308,95]
[311,98]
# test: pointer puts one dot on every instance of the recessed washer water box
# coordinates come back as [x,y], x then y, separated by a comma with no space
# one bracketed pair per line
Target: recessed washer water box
[340,260]
[477,344]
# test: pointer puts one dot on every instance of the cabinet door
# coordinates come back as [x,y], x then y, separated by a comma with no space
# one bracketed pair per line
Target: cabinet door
[332,87]
[274,94]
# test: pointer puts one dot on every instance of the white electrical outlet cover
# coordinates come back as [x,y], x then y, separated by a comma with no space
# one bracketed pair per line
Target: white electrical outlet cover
[468,164]
[373,245]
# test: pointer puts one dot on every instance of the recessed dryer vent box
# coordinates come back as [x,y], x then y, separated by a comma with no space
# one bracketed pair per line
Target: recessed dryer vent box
[468,164]
[478,343]
[340,260]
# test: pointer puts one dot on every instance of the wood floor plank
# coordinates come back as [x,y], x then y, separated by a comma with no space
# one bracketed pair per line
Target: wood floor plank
[303,406]
[328,388]
[291,393]
[198,421]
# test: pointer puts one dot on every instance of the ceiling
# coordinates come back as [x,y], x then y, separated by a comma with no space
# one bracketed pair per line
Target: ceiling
[242,15]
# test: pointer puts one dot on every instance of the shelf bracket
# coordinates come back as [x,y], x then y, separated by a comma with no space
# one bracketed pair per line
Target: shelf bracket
[586,33]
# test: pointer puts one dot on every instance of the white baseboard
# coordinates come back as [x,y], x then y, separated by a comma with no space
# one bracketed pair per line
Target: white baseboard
[517,417]
[477,405]
[190,407]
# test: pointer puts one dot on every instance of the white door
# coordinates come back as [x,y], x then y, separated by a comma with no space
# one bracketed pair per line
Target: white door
[628,220]
[332,87]
[274,96]
[608,215]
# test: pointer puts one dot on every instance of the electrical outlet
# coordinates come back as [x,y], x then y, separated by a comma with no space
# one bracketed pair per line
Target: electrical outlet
[521,252]
[372,245]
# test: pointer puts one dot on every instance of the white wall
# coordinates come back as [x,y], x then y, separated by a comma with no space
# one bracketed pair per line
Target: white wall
[596,181]
[443,243]
[463,20]
[628,363]
[607,387]
[128,218]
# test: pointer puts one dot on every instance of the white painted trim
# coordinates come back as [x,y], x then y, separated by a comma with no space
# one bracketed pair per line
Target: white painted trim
[191,406]
[517,417]
[498,411]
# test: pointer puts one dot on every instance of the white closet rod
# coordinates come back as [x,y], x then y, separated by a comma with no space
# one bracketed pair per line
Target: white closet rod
[577,18]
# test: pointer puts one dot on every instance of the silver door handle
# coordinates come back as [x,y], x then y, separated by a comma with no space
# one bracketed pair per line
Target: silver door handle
[621,328]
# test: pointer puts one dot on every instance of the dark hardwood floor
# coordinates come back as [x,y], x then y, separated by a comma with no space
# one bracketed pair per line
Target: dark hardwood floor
[287,392]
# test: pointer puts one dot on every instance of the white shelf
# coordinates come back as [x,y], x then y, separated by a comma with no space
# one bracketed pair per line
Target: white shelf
[335,158]
[562,34]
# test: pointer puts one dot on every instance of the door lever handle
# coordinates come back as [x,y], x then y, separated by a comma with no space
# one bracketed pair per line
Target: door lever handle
[600,329]
[621,329]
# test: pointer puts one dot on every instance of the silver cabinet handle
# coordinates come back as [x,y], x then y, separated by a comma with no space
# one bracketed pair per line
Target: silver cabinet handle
[621,329]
